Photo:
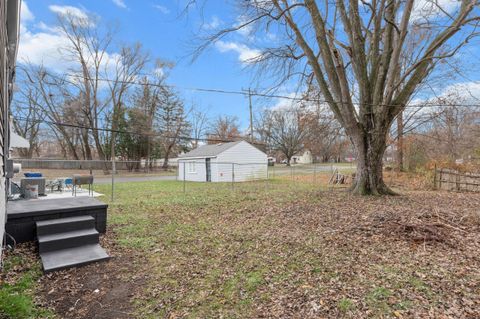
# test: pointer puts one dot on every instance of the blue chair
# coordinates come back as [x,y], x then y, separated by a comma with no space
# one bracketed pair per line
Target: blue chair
[32,174]
[68,183]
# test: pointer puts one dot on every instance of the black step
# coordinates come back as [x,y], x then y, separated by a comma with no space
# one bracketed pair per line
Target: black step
[70,239]
[61,225]
[70,257]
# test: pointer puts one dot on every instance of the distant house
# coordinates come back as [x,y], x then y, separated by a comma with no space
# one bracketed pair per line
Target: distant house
[9,32]
[350,159]
[225,162]
[305,158]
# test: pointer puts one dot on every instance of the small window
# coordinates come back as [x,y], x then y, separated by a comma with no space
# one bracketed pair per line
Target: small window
[191,167]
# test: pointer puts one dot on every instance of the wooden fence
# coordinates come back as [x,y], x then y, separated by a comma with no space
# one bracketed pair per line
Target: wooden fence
[452,180]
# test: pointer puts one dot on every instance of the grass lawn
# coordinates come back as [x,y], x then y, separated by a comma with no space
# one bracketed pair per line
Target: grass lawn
[282,249]
[311,169]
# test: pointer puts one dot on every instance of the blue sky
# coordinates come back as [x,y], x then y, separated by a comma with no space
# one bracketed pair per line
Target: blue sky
[157,25]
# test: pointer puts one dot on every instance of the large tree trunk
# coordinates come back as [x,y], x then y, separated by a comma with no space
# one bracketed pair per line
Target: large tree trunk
[147,161]
[71,147]
[369,176]
[167,156]
[289,160]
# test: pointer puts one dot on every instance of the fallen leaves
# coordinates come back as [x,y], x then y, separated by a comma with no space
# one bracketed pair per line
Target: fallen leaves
[292,252]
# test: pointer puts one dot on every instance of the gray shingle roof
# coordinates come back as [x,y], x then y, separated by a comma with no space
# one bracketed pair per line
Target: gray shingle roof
[210,150]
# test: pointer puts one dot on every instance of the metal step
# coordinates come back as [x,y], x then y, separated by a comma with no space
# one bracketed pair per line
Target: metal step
[71,257]
[61,225]
[70,239]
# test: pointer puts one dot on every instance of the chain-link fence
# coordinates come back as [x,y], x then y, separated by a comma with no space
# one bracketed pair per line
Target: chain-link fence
[187,176]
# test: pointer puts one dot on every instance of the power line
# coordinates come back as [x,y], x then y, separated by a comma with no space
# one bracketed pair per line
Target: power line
[250,93]
[163,135]
[188,138]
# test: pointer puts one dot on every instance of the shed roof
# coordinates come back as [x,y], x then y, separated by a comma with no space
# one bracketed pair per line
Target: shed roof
[210,150]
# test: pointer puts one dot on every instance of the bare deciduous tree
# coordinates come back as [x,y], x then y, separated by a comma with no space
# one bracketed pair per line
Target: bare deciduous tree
[324,133]
[351,52]
[52,100]
[127,67]
[87,47]
[27,118]
[285,129]
[224,128]
[198,122]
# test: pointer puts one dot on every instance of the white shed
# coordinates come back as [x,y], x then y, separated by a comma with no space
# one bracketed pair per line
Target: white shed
[225,162]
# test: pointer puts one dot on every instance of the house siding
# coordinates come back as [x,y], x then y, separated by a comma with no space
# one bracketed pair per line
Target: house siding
[6,77]
[305,158]
[3,113]
[249,163]
[200,173]
[246,161]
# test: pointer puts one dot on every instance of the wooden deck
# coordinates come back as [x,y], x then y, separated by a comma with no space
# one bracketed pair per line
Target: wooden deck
[22,214]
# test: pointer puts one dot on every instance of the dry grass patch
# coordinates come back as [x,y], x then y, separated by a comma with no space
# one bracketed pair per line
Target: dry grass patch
[293,250]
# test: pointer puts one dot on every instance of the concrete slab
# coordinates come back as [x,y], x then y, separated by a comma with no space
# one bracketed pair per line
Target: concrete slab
[50,226]
[22,215]
[64,220]
[35,207]
[78,256]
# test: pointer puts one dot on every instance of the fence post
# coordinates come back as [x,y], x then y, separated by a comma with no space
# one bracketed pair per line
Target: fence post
[435,176]
[457,181]
[440,179]
[184,183]
[233,176]
[113,176]
[268,168]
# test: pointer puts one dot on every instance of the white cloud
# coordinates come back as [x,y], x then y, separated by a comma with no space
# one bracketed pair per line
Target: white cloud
[120,4]
[25,14]
[43,44]
[69,11]
[161,8]
[285,104]
[247,30]
[463,92]
[213,24]
[160,72]
[245,54]
[466,90]
[47,28]
[428,9]
[43,48]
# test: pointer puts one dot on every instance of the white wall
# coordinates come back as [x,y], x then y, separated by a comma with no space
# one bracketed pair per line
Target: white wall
[222,171]
[249,163]
[305,158]
[199,173]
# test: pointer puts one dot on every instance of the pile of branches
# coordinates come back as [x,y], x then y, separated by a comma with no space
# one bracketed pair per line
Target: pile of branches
[424,228]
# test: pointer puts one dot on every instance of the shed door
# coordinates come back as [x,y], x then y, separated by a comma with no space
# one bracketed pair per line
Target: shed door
[208,170]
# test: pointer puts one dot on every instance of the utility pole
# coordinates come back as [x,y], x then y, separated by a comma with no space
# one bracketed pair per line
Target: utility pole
[251,114]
